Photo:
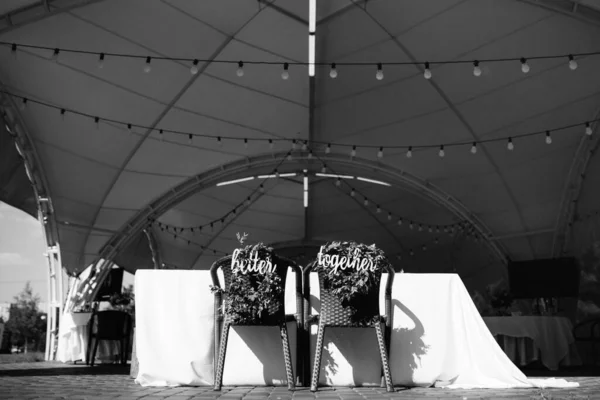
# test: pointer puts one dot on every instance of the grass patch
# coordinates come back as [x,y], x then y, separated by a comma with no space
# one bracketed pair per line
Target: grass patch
[21,358]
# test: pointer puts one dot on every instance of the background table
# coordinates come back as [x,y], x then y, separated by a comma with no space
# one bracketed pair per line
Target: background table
[438,338]
[527,338]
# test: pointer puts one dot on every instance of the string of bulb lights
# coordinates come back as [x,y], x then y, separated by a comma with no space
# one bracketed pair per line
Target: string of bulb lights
[54,52]
[303,144]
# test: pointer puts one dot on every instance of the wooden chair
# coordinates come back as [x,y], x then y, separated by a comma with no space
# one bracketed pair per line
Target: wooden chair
[334,314]
[589,331]
[280,318]
[109,325]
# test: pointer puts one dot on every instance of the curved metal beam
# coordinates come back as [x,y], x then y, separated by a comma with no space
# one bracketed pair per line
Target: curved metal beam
[569,8]
[38,11]
[572,189]
[15,125]
[154,250]
[242,167]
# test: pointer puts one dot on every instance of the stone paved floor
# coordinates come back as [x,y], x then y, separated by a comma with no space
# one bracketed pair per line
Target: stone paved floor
[78,382]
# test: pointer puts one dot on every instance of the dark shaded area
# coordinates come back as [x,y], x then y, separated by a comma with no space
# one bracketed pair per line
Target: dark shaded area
[48,370]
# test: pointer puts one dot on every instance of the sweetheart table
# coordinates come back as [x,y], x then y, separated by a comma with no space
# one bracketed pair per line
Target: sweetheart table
[438,338]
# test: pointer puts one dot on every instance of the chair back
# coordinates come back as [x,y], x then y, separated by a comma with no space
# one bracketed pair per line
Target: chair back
[334,313]
[111,324]
[277,309]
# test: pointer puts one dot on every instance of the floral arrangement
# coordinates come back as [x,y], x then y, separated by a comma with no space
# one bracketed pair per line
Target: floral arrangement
[124,301]
[251,296]
[355,282]
[500,297]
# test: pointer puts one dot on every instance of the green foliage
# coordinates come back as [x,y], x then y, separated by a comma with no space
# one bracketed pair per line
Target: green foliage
[124,301]
[26,324]
[250,297]
[352,285]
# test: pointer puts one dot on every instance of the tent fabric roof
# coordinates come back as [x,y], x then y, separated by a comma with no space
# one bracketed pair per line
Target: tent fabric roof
[100,177]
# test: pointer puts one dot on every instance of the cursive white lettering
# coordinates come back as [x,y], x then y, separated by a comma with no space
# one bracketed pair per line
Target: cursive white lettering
[337,262]
[251,264]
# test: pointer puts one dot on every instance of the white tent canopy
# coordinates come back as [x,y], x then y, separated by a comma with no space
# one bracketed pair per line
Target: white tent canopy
[101,179]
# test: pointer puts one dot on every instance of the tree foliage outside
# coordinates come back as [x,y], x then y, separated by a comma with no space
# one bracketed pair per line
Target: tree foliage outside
[26,323]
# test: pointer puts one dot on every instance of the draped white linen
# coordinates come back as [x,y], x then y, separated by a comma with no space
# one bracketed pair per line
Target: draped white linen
[438,338]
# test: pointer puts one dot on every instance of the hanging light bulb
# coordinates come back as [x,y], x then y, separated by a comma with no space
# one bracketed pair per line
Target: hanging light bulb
[293,144]
[310,154]
[97,122]
[352,193]
[271,144]
[285,74]
[194,67]
[262,188]
[474,148]
[436,241]
[366,202]
[588,129]
[324,169]
[524,66]
[147,67]
[548,138]
[246,143]
[160,135]
[389,216]
[441,152]
[476,69]
[23,104]
[380,153]
[424,248]
[55,55]
[13,50]
[101,61]
[409,152]
[333,72]
[510,144]
[304,146]
[289,156]
[62,114]
[572,63]
[240,69]
[247,202]
[412,253]
[400,222]
[430,229]
[129,129]
[378,209]
[328,148]
[353,152]
[276,173]
[338,182]
[420,228]
[379,74]
[190,139]
[411,225]
[219,142]
[427,73]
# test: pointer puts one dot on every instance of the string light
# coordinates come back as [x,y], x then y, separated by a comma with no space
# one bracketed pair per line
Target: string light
[352,193]
[338,182]
[245,143]
[62,113]
[400,222]
[333,72]
[101,61]
[366,202]
[427,73]
[240,70]
[524,66]
[379,74]
[55,55]
[23,105]
[194,67]
[160,135]
[510,144]
[588,131]
[441,152]
[190,139]
[389,216]
[548,138]
[147,67]
[378,209]
[304,146]
[285,74]
[572,63]
[476,69]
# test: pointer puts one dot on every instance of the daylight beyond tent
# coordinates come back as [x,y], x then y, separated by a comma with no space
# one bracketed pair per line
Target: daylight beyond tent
[131,115]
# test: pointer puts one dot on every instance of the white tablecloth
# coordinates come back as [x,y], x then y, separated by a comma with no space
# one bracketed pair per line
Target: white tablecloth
[438,338]
[551,336]
[73,337]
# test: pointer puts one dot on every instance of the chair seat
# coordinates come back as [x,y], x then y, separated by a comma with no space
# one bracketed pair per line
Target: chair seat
[313,319]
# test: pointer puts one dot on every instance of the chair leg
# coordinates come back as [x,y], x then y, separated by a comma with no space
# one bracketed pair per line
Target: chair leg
[222,353]
[94,352]
[384,359]
[317,364]
[88,351]
[287,355]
